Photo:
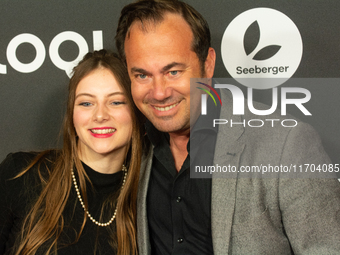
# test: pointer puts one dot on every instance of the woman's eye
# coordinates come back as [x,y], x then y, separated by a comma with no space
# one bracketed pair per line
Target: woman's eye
[85,104]
[118,103]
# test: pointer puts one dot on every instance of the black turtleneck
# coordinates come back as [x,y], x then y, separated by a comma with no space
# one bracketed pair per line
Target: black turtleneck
[17,195]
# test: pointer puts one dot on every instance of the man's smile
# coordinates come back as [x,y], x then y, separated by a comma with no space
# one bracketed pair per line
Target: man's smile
[166,108]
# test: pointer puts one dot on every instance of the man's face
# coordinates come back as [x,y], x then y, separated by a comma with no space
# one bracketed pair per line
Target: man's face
[160,64]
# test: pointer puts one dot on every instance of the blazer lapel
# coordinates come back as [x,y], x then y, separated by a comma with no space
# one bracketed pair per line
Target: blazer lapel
[228,151]
[142,219]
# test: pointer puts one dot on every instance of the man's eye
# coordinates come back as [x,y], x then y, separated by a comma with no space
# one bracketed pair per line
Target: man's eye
[141,76]
[173,72]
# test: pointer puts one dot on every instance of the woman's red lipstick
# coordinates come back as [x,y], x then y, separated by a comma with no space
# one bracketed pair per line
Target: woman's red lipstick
[102,132]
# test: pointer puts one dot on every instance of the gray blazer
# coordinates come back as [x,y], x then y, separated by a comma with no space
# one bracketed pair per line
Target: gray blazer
[264,215]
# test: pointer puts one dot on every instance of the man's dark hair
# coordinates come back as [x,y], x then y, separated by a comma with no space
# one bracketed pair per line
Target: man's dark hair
[154,11]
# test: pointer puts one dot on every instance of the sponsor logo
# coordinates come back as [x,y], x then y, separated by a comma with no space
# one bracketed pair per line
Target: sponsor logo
[53,51]
[261,43]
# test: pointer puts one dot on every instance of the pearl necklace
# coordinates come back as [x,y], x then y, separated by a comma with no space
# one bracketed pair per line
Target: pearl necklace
[83,205]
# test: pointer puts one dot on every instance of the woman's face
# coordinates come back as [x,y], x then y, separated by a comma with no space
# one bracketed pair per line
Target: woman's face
[101,116]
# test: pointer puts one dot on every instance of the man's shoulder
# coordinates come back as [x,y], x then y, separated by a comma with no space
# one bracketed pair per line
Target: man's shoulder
[272,138]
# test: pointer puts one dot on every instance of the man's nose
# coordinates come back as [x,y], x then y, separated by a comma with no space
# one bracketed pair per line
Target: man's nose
[160,89]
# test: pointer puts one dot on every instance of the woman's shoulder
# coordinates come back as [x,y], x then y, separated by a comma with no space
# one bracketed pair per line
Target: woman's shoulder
[16,162]
[18,189]
[21,156]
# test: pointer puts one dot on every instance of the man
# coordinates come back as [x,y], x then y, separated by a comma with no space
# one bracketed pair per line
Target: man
[164,44]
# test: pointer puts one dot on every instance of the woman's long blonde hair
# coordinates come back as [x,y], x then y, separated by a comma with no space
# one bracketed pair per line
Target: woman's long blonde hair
[45,221]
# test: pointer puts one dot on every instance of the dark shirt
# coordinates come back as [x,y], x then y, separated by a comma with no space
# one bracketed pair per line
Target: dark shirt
[17,195]
[179,207]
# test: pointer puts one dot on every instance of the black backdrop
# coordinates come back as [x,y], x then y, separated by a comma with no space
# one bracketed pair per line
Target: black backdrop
[32,103]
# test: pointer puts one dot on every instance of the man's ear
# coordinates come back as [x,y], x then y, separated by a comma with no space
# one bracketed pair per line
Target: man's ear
[210,63]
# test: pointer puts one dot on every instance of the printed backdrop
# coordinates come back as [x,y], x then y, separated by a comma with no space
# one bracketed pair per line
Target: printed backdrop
[39,40]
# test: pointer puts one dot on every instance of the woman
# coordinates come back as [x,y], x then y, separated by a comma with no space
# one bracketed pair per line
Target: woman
[81,199]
